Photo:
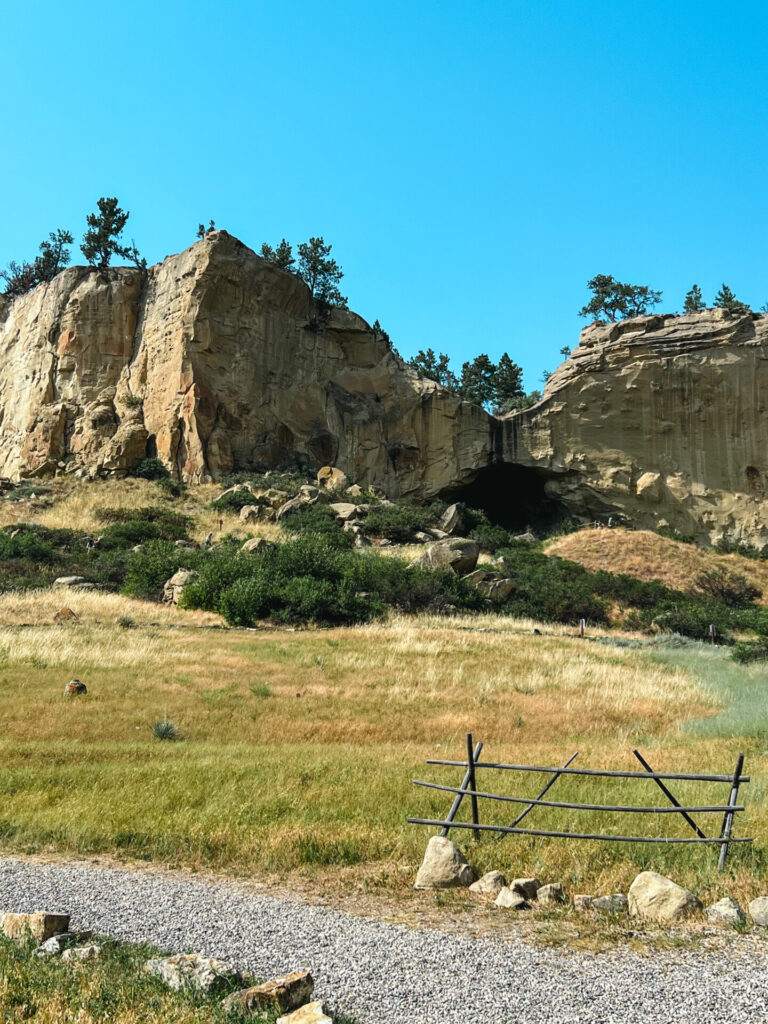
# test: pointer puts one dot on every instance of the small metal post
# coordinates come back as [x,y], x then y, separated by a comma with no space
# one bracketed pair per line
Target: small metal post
[582,627]
[728,816]
[712,634]
[472,785]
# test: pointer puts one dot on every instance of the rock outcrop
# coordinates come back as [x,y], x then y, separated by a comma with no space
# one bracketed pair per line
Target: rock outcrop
[217,360]
[214,360]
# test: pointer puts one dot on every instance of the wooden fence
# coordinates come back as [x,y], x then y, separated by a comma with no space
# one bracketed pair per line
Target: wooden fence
[468,788]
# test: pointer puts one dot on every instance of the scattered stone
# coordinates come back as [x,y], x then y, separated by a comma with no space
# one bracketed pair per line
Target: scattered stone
[274,497]
[355,491]
[257,544]
[443,867]
[65,615]
[551,895]
[343,510]
[193,970]
[490,584]
[758,911]
[286,993]
[725,911]
[237,489]
[331,479]
[75,688]
[457,554]
[582,903]
[313,495]
[312,1013]
[452,521]
[616,903]
[41,925]
[58,943]
[510,899]
[527,887]
[490,884]
[656,898]
[422,538]
[361,541]
[437,534]
[174,587]
[68,581]
[250,513]
[291,506]
[526,538]
[81,952]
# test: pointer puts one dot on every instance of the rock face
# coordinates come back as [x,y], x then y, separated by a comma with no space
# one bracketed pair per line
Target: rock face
[658,421]
[216,359]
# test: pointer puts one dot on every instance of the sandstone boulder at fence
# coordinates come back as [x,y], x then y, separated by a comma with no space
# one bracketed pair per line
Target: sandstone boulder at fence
[653,897]
[490,884]
[192,970]
[527,887]
[551,895]
[41,925]
[444,866]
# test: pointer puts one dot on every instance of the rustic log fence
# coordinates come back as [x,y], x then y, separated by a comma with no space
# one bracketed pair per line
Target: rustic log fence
[468,788]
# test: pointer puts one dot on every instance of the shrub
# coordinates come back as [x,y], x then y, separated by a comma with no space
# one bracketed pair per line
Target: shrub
[260,690]
[126,622]
[551,588]
[398,522]
[173,521]
[148,570]
[317,520]
[151,469]
[491,538]
[722,584]
[234,501]
[165,730]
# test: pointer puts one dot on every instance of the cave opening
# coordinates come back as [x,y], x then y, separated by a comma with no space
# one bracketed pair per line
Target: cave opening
[511,496]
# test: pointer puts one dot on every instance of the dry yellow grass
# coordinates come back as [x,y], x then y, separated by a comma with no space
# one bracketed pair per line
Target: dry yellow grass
[648,556]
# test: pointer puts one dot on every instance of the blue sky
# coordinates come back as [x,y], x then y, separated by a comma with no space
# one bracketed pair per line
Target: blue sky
[472,162]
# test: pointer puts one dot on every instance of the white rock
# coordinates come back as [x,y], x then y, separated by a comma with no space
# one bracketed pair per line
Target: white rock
[81,953]
[613,904]
[582,902]
[509,899]
[311,1013]
[527,887]
[490,884]
[195,971]
[443,867]
[725,911]
[758,911]
[656,898]
[550,895]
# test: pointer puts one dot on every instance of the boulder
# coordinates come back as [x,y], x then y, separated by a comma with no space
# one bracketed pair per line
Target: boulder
[758,911]
[490,584]
[582,902]
[444,866]
[251,513]
[615,903]
[312,1013]
[422,538]
[452,521]
[526,887]
[344,510]
[330,479]
[285,993]
[510,899]
[59,942]
[275,498]
[90,952]
[195,971]
[490,884]
[41,925]
[68,581]
[526,538]
[174,587]
[457,554]
[355,491]
[256,545]
[550,895]
[726,911]
[291,506]
[653,897]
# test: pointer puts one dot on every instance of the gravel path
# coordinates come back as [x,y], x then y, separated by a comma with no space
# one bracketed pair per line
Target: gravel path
[388,974]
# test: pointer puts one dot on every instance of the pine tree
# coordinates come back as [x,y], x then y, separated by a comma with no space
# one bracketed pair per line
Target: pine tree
[693,300]
[507,383]
[613,300]
[102,240]
[54,254]
[321,273]
[282,255]
[725,299]
[436,368]
[476,383]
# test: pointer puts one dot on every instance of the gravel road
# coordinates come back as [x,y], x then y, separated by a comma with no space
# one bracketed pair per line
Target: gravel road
[388,974]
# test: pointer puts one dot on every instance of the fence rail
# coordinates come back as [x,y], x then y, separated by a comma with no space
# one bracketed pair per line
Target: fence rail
[468,788]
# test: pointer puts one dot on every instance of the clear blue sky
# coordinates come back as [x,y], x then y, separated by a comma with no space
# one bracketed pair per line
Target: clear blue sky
[473,162]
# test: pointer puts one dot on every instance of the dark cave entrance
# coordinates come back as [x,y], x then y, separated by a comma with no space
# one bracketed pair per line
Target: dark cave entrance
[511,496]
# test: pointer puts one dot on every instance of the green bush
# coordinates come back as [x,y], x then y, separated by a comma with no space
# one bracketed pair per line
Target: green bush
[398,522]
[234,501]
[172,521]
[745,653]
[317,520]
[165,730]
[721,584]
[551,589]
[491,538]
[151,469]
[147,571]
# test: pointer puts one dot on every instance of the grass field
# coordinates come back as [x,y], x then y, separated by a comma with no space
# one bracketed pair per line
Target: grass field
[298,747]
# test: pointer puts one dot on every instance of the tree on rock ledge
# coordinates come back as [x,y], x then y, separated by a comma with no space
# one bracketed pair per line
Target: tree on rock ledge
[693,300]
[613,300]
[725,299]
[102,240]
[322,274]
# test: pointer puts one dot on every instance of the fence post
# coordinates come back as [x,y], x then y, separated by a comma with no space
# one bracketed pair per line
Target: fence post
[472,785]
[728,816]
[460,796]
[582,627]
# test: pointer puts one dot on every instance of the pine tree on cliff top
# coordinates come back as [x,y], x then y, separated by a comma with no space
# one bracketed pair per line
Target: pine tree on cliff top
[693,300]
[725,299]
[102,239]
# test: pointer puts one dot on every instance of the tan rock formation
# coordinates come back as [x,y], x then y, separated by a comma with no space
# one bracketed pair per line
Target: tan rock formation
[659,421]
[216,359]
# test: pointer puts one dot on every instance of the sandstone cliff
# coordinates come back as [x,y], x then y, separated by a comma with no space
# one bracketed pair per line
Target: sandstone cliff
[660,421]
[214,360]
[217,360]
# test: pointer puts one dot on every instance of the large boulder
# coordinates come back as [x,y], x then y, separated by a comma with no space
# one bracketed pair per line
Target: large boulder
[457,554]
[283,994]
[492,585]
[311,1013]
[444,866]
[726,911]
[452,521]
[195,971]
[331,479]
[653,897]
[174,587]
[41,925]
[758,911]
